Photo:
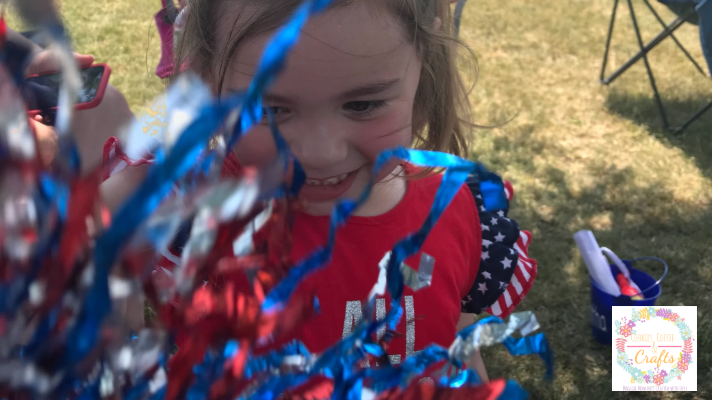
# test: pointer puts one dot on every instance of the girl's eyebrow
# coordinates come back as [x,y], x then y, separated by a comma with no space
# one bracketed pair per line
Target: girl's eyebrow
[371,89]
[366,90]
[275,98]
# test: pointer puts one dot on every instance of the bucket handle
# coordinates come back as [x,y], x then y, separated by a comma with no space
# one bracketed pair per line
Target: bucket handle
[659,280]
[617,261]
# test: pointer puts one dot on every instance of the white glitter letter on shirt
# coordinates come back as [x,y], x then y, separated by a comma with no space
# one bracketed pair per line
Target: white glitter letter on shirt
[352,318]
[354,314]
[380,315]
[410,327]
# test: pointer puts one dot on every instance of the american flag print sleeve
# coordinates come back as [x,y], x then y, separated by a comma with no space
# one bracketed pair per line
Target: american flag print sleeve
[506,272]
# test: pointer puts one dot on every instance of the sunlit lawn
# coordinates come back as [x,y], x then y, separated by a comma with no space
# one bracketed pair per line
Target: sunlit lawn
[585,156]
[580,155]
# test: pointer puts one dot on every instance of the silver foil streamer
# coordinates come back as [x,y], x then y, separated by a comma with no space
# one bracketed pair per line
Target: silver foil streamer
[415,280]
[489,334]
[171,113]
[42,13]
[138,356]
[224,202]
[16,373]
[380,315]
[14,129]
[421,278]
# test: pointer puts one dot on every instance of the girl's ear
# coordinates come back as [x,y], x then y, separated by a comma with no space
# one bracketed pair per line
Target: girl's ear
[437,23]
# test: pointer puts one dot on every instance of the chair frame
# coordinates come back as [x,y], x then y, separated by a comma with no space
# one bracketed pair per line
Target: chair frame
[459,7]
[668,30]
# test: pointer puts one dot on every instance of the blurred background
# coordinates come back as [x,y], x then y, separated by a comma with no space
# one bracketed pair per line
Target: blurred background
[580,155]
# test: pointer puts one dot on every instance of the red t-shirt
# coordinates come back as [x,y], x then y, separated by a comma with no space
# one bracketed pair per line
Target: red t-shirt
[430,314]
[481,263]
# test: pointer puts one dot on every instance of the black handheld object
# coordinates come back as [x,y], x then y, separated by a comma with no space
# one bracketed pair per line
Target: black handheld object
[42,91]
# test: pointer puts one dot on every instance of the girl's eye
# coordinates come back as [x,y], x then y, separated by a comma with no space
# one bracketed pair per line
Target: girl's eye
[363,107]
[277,111]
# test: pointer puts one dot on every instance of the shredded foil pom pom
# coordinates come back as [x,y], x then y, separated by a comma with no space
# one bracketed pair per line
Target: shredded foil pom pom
[67,264]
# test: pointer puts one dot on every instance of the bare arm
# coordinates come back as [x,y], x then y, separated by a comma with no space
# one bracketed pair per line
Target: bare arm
[91,127]
[116,190]
[94,126]
[475,361]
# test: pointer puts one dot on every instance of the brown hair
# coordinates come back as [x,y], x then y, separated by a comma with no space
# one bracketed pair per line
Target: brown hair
[442,114]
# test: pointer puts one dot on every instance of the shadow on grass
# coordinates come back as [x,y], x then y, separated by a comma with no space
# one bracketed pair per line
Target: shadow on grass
[640,219]
[694,141]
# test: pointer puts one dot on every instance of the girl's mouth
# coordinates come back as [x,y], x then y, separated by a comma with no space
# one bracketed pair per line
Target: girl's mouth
[320,190]
[327,182]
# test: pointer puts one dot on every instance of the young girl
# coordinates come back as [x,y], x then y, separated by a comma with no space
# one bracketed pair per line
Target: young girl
[365,76]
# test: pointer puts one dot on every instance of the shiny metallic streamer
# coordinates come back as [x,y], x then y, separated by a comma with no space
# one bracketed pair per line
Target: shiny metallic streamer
[490,331]
[43,14]
[335,359]
[353,317]
[172,165]
[421,278]
[16,138]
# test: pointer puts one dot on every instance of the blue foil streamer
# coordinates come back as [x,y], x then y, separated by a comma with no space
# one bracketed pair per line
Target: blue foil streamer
[273,61]
[513,391]
[338,362]
[153,189]
[457,171]
[341,364]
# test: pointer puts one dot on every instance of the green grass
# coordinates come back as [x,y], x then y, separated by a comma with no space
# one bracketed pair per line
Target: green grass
[119,33]
[580,156]
[122,34]
[585,156]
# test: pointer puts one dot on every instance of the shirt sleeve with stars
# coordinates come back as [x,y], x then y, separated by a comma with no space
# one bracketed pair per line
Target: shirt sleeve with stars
[505,273]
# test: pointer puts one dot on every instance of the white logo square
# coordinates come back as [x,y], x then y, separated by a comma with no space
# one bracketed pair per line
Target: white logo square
[654,348]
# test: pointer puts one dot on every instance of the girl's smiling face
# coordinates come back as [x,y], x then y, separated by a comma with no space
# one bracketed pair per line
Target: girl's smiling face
[346,94]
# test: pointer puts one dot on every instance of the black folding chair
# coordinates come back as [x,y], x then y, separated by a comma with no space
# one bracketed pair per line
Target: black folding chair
[459,7]
[686,12]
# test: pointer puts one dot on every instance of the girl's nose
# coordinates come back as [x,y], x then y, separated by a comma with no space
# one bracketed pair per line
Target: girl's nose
[319,144]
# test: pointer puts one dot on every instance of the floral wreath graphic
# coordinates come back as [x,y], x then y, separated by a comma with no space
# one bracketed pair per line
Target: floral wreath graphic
[624,327]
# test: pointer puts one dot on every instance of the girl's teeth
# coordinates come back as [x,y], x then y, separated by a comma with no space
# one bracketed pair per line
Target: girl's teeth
[330,181]
[326,182]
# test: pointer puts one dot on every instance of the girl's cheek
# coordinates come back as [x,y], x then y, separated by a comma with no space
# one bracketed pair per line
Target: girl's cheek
[374,137]
[256,148]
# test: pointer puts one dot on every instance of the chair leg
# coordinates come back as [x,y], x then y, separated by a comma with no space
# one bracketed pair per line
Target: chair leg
[647,66]
[644,50]
[608,41]
[647,48]
[692,119]
[459,7]
[684,50]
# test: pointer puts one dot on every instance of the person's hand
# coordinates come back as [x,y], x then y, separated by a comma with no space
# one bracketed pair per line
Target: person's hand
[46,140]
[46,62]
[91,127]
